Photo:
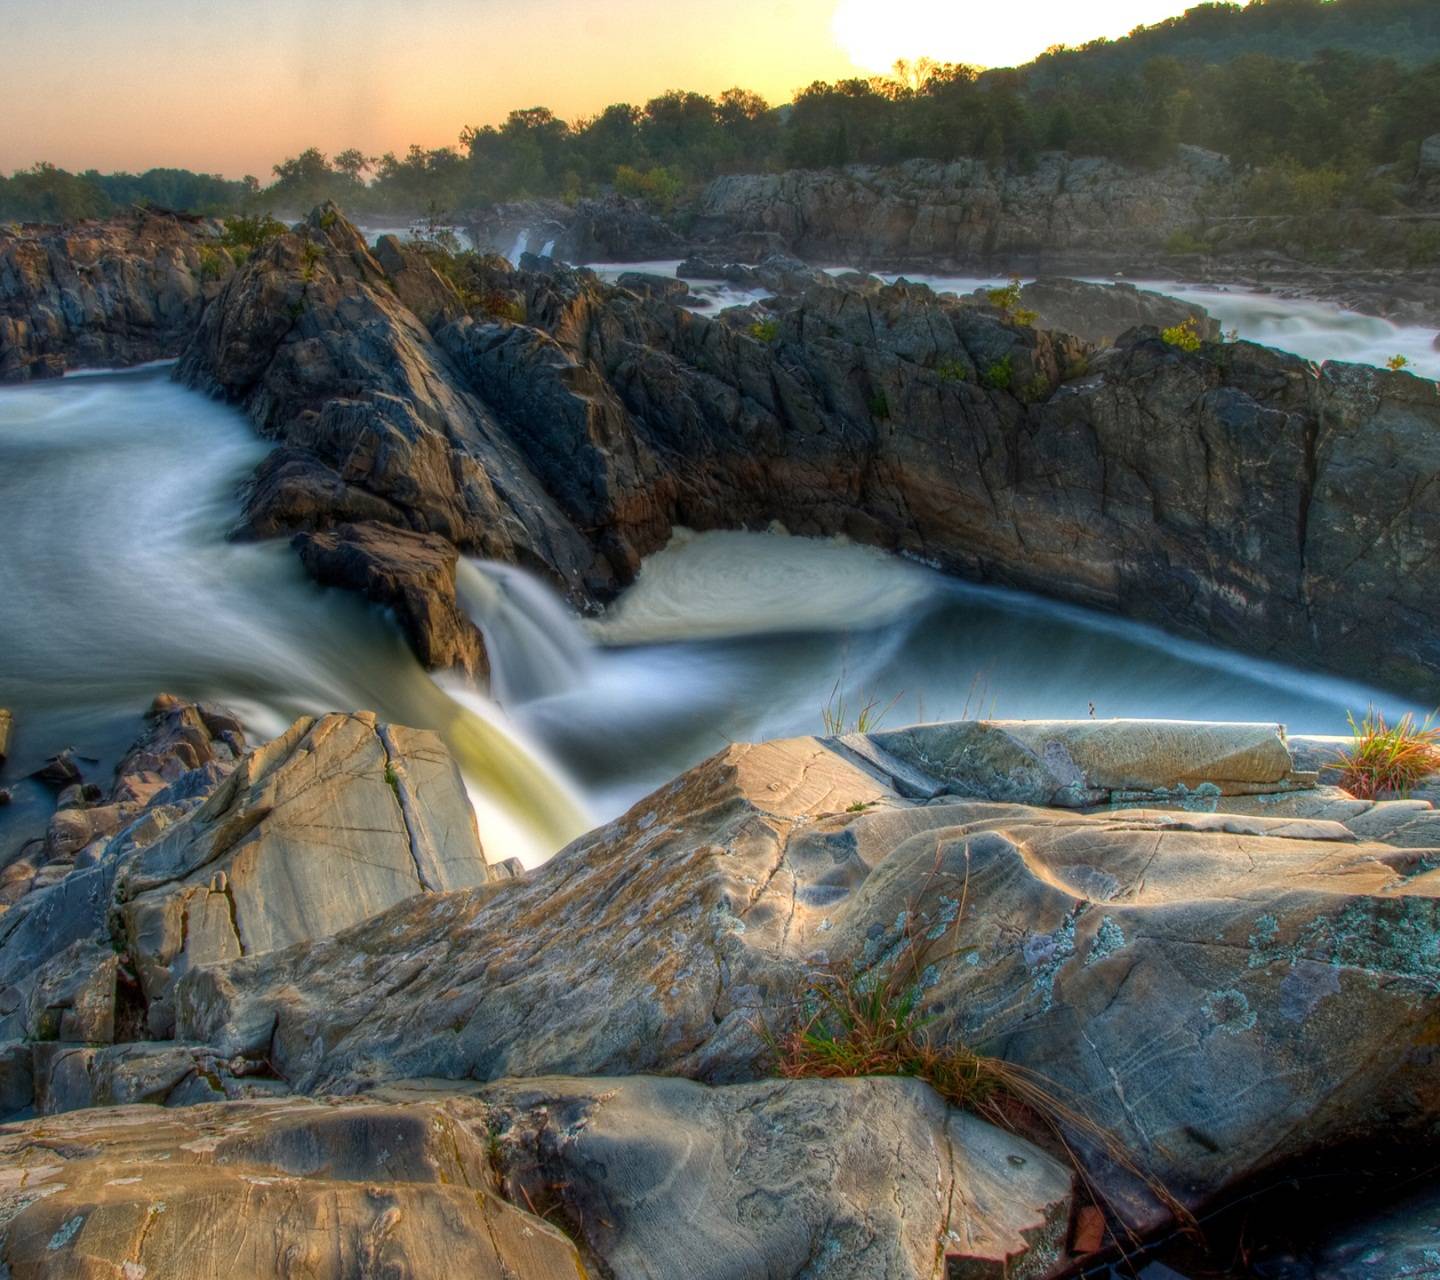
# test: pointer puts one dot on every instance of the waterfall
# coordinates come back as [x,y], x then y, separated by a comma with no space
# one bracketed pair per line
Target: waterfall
[549,250]
[537,646]
[522,243]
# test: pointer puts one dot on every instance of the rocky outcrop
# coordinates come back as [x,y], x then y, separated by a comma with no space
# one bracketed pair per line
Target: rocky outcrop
[1100,313]
[6,722]
[1230,492]
[326,826]
[1064,210]
[262,1191]
[103,294]
[184,752]
[1207,982]
[414,573]
[860,1179]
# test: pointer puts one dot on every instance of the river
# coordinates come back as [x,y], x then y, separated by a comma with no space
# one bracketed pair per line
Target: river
[117,581]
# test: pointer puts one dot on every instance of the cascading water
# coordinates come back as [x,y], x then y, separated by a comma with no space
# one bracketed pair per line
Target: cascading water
[117,582]
[518,249]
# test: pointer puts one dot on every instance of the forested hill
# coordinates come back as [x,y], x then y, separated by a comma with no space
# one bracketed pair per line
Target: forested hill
[1407,31]
[1329,100]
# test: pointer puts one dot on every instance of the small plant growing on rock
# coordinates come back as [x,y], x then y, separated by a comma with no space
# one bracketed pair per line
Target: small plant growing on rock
[839,717]
[1396,363]
[1383,757]
[249,232]
[1037,389]
[879,406]
[1007,301]
[214,262]
[765,331]
[1077,368]
[500,306]
[1184,336]
[867,1021]
[952,370]
[999,375]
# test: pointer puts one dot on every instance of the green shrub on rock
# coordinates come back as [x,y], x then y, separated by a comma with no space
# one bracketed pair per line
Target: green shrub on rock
[1184,336]
[999,375]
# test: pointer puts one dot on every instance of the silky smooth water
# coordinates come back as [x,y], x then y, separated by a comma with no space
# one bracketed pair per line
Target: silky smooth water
[117,581]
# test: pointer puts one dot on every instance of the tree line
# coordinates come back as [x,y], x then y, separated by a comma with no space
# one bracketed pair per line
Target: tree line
[1327,124]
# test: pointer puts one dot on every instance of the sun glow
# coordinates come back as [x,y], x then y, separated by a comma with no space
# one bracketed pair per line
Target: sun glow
[874,34]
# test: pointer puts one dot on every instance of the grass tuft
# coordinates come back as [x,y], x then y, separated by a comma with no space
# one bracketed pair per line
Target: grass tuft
[862,1021]
[1383,757]
[841,717]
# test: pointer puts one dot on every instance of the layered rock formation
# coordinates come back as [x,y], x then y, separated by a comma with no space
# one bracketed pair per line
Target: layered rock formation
[317,830]
[1231,492]
[105,294]
[1203,978]
[1248,958]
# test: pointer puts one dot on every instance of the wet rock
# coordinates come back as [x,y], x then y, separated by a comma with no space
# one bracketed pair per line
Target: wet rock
[264,1189]
[412,573]
[61,771]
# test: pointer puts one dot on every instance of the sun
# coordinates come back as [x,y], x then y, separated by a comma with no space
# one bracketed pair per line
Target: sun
[874,34]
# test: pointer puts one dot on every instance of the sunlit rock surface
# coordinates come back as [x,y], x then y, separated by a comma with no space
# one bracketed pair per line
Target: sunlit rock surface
[1209,986]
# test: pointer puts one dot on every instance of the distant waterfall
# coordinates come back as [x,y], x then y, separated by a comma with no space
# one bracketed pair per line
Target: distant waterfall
[522,243]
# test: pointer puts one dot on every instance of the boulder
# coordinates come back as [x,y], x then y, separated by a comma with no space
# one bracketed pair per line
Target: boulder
[328,825]
[857,1179]
[411,573]
[265,1190]
[822,1178]
[1102,312]
[1077,763]
[1205,982]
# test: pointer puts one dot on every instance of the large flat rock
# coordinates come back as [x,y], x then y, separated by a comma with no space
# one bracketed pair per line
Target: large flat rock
[1208,987]
[262,1190]
[824,1179]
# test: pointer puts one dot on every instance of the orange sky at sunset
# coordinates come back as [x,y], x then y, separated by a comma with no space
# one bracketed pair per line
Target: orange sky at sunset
[232,88]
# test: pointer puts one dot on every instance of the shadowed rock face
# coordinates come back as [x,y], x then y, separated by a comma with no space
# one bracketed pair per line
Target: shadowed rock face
[1209,987]
[103,294]
[1233,493]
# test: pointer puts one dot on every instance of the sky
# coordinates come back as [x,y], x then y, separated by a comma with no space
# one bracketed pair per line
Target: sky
[231,86]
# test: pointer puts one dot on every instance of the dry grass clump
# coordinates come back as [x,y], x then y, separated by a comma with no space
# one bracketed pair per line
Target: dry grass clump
[868,1022]
[1389,758]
